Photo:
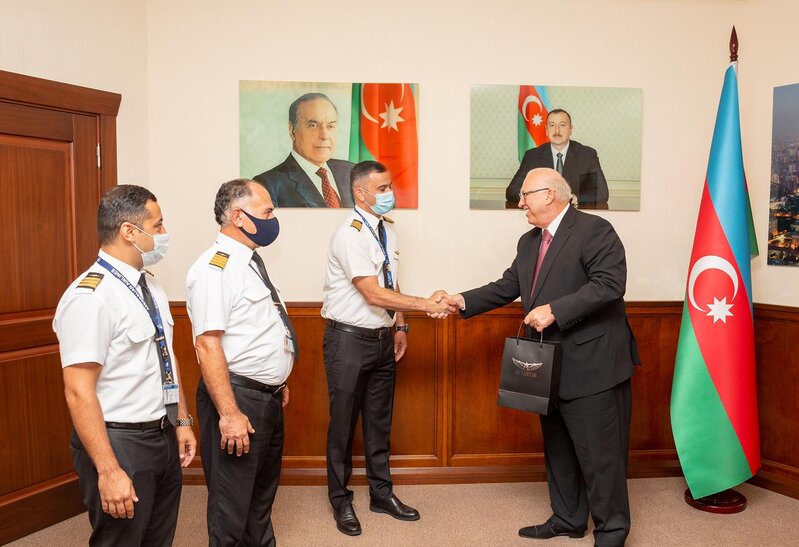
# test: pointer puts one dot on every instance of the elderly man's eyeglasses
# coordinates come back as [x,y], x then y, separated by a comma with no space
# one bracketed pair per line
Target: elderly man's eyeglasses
[523,195]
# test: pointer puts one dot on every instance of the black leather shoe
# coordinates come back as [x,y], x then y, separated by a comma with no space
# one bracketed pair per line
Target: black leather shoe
[346,521]
[394,507]
[549,530]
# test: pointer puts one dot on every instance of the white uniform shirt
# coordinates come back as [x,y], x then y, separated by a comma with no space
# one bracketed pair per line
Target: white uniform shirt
[108,325]
[355,252]
[225,292]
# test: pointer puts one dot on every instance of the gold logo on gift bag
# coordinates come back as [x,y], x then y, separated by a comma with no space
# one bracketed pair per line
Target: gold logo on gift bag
[527,367]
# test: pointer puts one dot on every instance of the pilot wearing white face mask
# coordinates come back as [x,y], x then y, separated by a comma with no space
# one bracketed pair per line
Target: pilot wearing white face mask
[122,383]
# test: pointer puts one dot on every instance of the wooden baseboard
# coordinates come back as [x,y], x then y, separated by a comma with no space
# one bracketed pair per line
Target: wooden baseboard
[31,509]
[777,477]
[643,464]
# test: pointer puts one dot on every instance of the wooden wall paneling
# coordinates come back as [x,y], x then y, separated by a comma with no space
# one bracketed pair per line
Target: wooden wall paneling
[183,345]
[656,329]
[307,412]
[456,363]
[482,432]
[776,328]
[413,431]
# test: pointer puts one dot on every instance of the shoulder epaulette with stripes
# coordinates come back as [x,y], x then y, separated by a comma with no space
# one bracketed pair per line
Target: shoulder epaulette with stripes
[219,260]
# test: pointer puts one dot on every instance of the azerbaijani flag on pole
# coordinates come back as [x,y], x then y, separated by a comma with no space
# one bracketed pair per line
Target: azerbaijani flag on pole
[383,128]
[532,118]
[714,397]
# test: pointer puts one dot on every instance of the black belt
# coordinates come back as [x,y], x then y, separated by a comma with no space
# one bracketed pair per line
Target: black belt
[363,332]
[243,381]
[160,423]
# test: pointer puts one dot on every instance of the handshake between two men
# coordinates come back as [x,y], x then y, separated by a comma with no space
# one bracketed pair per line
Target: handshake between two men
[539,317]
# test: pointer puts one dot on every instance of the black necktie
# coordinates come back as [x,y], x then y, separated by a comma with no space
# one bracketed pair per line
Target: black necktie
[381,233]
[280,309]
[171,409]
[559,165]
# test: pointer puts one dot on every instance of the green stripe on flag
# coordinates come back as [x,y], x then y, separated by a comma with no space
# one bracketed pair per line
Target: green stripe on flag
[355,124]
[710,453]
[358,151]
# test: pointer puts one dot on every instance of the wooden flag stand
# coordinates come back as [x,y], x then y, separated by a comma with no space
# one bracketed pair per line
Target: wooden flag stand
[727,501]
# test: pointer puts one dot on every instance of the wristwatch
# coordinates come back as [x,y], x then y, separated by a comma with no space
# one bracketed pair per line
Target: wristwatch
[401,328]
[189,422]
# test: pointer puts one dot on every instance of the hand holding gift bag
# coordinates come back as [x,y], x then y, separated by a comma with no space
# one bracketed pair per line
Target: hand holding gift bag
[530,374]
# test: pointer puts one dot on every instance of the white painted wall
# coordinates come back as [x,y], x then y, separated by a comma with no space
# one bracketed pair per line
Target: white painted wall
[178,64]
[92,43]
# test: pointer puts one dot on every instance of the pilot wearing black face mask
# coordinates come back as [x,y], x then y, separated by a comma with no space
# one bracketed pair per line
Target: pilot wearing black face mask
[246,346]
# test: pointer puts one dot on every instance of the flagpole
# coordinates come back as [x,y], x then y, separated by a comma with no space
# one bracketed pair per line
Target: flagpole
[727,501]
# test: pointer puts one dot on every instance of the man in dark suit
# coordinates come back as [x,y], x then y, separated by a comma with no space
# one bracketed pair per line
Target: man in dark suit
[574,294]
[579,164]
[309,177]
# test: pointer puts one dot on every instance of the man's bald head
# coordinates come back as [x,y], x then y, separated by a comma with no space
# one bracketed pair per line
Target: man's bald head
[544,195]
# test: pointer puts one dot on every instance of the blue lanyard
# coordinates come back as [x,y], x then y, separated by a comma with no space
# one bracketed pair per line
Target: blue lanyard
[155,315]
[386,263]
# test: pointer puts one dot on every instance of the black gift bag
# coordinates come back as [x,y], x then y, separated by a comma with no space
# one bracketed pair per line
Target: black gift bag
[530,374]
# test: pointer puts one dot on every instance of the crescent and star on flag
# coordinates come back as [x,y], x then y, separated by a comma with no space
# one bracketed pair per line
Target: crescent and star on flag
[536,119]
[719,310]
[391,116]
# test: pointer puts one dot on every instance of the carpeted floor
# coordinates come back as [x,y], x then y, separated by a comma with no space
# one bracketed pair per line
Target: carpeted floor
[483,514]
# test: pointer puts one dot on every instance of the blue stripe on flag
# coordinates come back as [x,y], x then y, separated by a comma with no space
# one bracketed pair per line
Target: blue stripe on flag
[542,93]
[725,177]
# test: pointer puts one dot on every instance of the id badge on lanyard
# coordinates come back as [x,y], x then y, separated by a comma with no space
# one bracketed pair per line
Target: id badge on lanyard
[169,387]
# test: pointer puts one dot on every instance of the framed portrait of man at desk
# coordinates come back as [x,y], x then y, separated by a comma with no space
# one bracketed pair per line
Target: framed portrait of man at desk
[591,135]
[301,139]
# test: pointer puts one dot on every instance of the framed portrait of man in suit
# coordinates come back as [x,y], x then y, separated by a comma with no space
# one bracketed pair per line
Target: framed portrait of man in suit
[591,135]
[301,139]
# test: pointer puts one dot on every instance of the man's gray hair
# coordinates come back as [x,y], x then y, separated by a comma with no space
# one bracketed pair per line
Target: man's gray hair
[295,106]
[563,192]
[231,194]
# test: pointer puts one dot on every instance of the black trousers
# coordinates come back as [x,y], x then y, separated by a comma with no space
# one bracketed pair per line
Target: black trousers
[360,381]
[585,446]
[241,489]
[151,460]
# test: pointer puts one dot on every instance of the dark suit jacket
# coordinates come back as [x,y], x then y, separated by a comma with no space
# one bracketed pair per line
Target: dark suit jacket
[583,279]
[289,186]
[581,170]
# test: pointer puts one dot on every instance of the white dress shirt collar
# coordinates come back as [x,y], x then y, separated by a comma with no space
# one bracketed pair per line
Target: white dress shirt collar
[236,249]
[553,226]
[130,273]
[310,169]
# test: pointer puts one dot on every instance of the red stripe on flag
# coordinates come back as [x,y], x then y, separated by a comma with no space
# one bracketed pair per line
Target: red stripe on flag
[534,113]
[388,130]
[723,326]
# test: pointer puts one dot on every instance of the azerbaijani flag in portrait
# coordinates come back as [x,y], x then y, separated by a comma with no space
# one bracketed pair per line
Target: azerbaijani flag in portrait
[532,117]
[384,129]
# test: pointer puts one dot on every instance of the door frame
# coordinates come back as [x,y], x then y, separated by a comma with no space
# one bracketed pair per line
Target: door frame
[46,503]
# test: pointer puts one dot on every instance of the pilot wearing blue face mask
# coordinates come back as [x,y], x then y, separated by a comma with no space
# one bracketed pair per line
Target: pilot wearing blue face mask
[246,346]
[366,335]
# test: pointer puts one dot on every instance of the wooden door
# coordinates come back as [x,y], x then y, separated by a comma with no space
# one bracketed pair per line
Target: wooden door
[51,179]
